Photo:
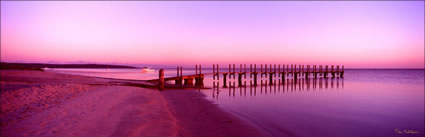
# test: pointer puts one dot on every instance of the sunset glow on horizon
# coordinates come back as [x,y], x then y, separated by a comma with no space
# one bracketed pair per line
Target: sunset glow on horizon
[358,34]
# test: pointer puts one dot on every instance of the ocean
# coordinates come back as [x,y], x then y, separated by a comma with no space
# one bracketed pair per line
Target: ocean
[374,102]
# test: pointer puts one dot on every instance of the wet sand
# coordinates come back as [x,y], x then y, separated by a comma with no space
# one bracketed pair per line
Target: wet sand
[35,103]
[197,117]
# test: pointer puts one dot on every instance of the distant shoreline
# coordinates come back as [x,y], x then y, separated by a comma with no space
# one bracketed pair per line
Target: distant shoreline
[39,66]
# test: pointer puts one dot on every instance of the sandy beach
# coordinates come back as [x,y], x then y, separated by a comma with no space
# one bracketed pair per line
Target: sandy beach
[36,103]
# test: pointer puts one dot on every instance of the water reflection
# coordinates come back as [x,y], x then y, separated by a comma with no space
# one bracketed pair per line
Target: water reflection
[275,86]
[364,103]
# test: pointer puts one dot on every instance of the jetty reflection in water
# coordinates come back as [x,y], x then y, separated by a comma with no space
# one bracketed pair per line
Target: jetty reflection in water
[275,87]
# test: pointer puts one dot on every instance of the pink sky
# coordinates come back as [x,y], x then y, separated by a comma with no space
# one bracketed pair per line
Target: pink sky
[364,34]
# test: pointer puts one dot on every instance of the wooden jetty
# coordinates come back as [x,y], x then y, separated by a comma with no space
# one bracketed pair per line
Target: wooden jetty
[273,71]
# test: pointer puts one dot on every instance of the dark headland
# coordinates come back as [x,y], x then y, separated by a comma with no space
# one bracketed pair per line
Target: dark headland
[39,66]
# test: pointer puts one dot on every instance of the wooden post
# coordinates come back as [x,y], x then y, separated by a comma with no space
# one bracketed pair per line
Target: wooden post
[261,67]
[213,68]
[278,68]
[302,71]
[177,81]
[299,68]
[288,70]
[337,70]
[292,67]
[196,69]
[250,70]
[224,79]
[306,72]
[178,71]
[181,73]
[270,67]
[199,81]
[161,79]
[244,65]
[250,67]
[234,66]
[213,71]
[255,78]
[326,71]
[295,70]
[261,70]
[240,67]
[311,69]
[240,78]
[271,78]
[218,73]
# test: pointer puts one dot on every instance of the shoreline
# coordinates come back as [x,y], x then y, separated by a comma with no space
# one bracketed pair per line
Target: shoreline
[36,103]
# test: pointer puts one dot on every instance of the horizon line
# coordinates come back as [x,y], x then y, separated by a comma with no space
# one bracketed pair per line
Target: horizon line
[171,66]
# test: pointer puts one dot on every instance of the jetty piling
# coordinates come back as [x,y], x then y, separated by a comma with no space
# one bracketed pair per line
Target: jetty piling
[265,70]
[278,70]
[320,70]
[295,72]
[250,70]
[178,81]
[302,71]
[240,67]
[244,70]
[255,74]
[261,70]
[161,79]
[326,72]
[337,70]
[283,73]
[213,71]
[199,80]
[234,71]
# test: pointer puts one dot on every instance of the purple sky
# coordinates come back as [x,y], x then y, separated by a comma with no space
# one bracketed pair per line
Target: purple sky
[364,34]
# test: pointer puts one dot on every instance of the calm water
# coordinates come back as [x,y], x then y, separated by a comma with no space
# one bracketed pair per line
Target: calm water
[364,103]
